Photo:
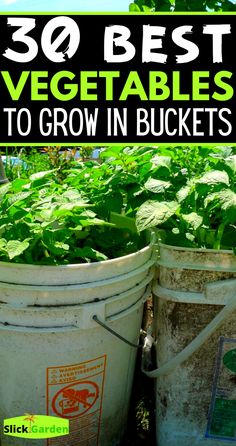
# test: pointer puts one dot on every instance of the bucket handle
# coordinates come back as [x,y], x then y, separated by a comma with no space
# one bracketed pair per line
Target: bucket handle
[196,343]
[113,332]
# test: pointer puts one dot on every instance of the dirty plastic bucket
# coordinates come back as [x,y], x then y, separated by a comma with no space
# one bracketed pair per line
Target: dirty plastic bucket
[51,352]
[195,329]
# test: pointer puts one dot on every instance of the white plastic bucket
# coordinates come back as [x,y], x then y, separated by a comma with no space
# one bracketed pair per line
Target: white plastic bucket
[47,295]
[49,351]
[74,274]
[195,309]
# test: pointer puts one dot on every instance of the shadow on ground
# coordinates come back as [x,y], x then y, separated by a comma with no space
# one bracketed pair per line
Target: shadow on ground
[141,424]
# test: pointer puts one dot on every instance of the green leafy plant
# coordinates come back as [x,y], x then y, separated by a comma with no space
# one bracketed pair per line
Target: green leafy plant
[112,185]
[85,152]
[187,192]
[201,212]
[60,158]
[182,5]
[23,162]
[45,222]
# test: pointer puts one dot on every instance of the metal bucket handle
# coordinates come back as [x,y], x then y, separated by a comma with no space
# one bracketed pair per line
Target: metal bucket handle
[202,336]
[113,332]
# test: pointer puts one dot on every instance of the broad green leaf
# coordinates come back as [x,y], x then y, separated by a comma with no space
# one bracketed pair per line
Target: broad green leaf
[15,248]
[89,253]
[40,175]
[190,237]
[4,188]
[157,186]
[146,8]
[18,184]
[113,203]
[210,198]
[193,219]
[111,152]
[74,205]
[15,213]
[41,179]
[226,201]
[78,231]
[231,162]
[162,161]
[207,237]
[94,222]
[154,213]
[183,193]
[222,151]
[35,227]
[145,169]
[122,178]
[134,8]
[122,221]
[214,177]
[45,214]
[2,228]
[229,237]
[58,248]
[3,244]
[88,214]
[228,204]
[68,209]
[21,196]
[139,152]
[72,194]
[44,202]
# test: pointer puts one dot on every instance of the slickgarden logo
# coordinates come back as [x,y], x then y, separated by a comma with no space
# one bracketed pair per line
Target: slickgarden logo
[36,426]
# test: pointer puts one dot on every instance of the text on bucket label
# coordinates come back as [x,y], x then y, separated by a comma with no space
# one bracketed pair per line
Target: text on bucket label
[75,392]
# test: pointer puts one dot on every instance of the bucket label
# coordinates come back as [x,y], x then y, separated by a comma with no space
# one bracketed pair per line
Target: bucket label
[222,413]
[75,392]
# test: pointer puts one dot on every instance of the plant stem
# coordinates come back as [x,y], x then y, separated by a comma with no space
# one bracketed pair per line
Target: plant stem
[219,236]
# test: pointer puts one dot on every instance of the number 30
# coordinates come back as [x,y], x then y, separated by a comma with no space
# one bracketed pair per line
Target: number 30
[49,47]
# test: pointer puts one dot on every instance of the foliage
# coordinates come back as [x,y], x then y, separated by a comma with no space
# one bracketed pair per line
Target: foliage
[19,163]
[182,5]
[201,212]
[60,159]
[111,185]
[45,222]
[64,215]
[187,191]
[23,162]
[3,178]
[85,152]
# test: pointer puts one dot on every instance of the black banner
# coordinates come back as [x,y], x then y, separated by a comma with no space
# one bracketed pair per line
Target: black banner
[117,78]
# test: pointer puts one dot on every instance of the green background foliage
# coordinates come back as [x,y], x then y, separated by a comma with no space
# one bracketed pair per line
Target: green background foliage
[183,5]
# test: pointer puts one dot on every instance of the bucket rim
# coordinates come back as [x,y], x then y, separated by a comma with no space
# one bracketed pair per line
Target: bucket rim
[206,250]
[151,241]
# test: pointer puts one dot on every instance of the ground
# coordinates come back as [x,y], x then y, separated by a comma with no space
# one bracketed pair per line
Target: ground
[141,423]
